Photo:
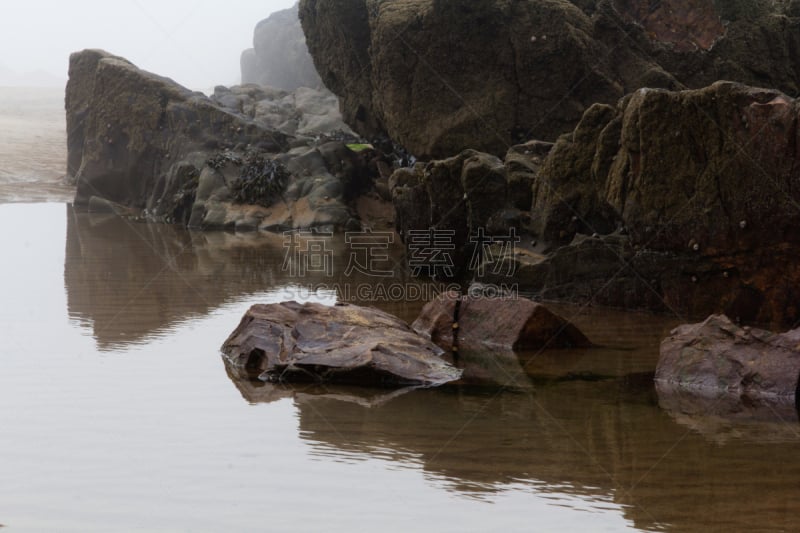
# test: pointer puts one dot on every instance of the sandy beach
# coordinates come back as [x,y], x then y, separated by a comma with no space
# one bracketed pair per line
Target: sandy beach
[32,145]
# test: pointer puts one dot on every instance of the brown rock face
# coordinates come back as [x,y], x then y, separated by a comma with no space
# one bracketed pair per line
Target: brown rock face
[712,167]
[459,194]
[703,182]
[439,77]
[508,323]
[343,344]
[718,357]
[687,25]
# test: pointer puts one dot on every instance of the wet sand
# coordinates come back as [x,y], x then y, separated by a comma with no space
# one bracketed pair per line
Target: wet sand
[33,144]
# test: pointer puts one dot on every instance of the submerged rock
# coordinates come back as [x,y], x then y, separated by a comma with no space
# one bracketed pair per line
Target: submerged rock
[509,323]
[439,77]
[718,357]
[343,344]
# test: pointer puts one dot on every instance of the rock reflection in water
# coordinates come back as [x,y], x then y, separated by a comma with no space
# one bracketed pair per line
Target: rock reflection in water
[255,391]
[603,439]
[129,281]
[725,417]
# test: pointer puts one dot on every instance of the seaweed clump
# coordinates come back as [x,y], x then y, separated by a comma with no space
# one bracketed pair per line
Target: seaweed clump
[261,180]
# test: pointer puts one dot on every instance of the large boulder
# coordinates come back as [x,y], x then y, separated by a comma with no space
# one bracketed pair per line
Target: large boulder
[698,186]
[712,167]
[141,143]
[343,344]
[439,77]
[128,127]
[279,57]
[718,357]
[507,323]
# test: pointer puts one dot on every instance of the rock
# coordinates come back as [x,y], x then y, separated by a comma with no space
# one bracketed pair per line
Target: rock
[318,190]
[131,126]
[602,271]
[303,111]
[510,323]
[677,166]
[523,163]
[346,72]
[345,343]
[142,144]
[457,195]
[279,57]
[718,357]
[439,77]
[248,65]
[79,93]
[681,171]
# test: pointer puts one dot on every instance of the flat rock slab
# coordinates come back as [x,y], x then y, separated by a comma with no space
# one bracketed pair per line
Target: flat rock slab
[718,357]
[509,323]
[343,344]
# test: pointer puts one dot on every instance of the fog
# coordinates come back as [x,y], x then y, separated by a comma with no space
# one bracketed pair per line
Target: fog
[195,42]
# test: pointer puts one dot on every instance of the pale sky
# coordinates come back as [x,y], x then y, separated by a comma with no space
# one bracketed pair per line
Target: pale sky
[195,42]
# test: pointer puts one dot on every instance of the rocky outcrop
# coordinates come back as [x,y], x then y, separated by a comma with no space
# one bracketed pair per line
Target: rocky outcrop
[128,127]
[718,357]
[698,186]
[673,201]
[457,197]
[279,57]
[439,77]
[345,343]
[710,169]
[142,143]
[509,323]
[303,112]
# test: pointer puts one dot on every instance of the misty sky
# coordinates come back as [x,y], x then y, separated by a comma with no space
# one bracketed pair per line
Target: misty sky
[195,42]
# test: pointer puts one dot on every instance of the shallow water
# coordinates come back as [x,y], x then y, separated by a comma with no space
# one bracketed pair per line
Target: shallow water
[118,414]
